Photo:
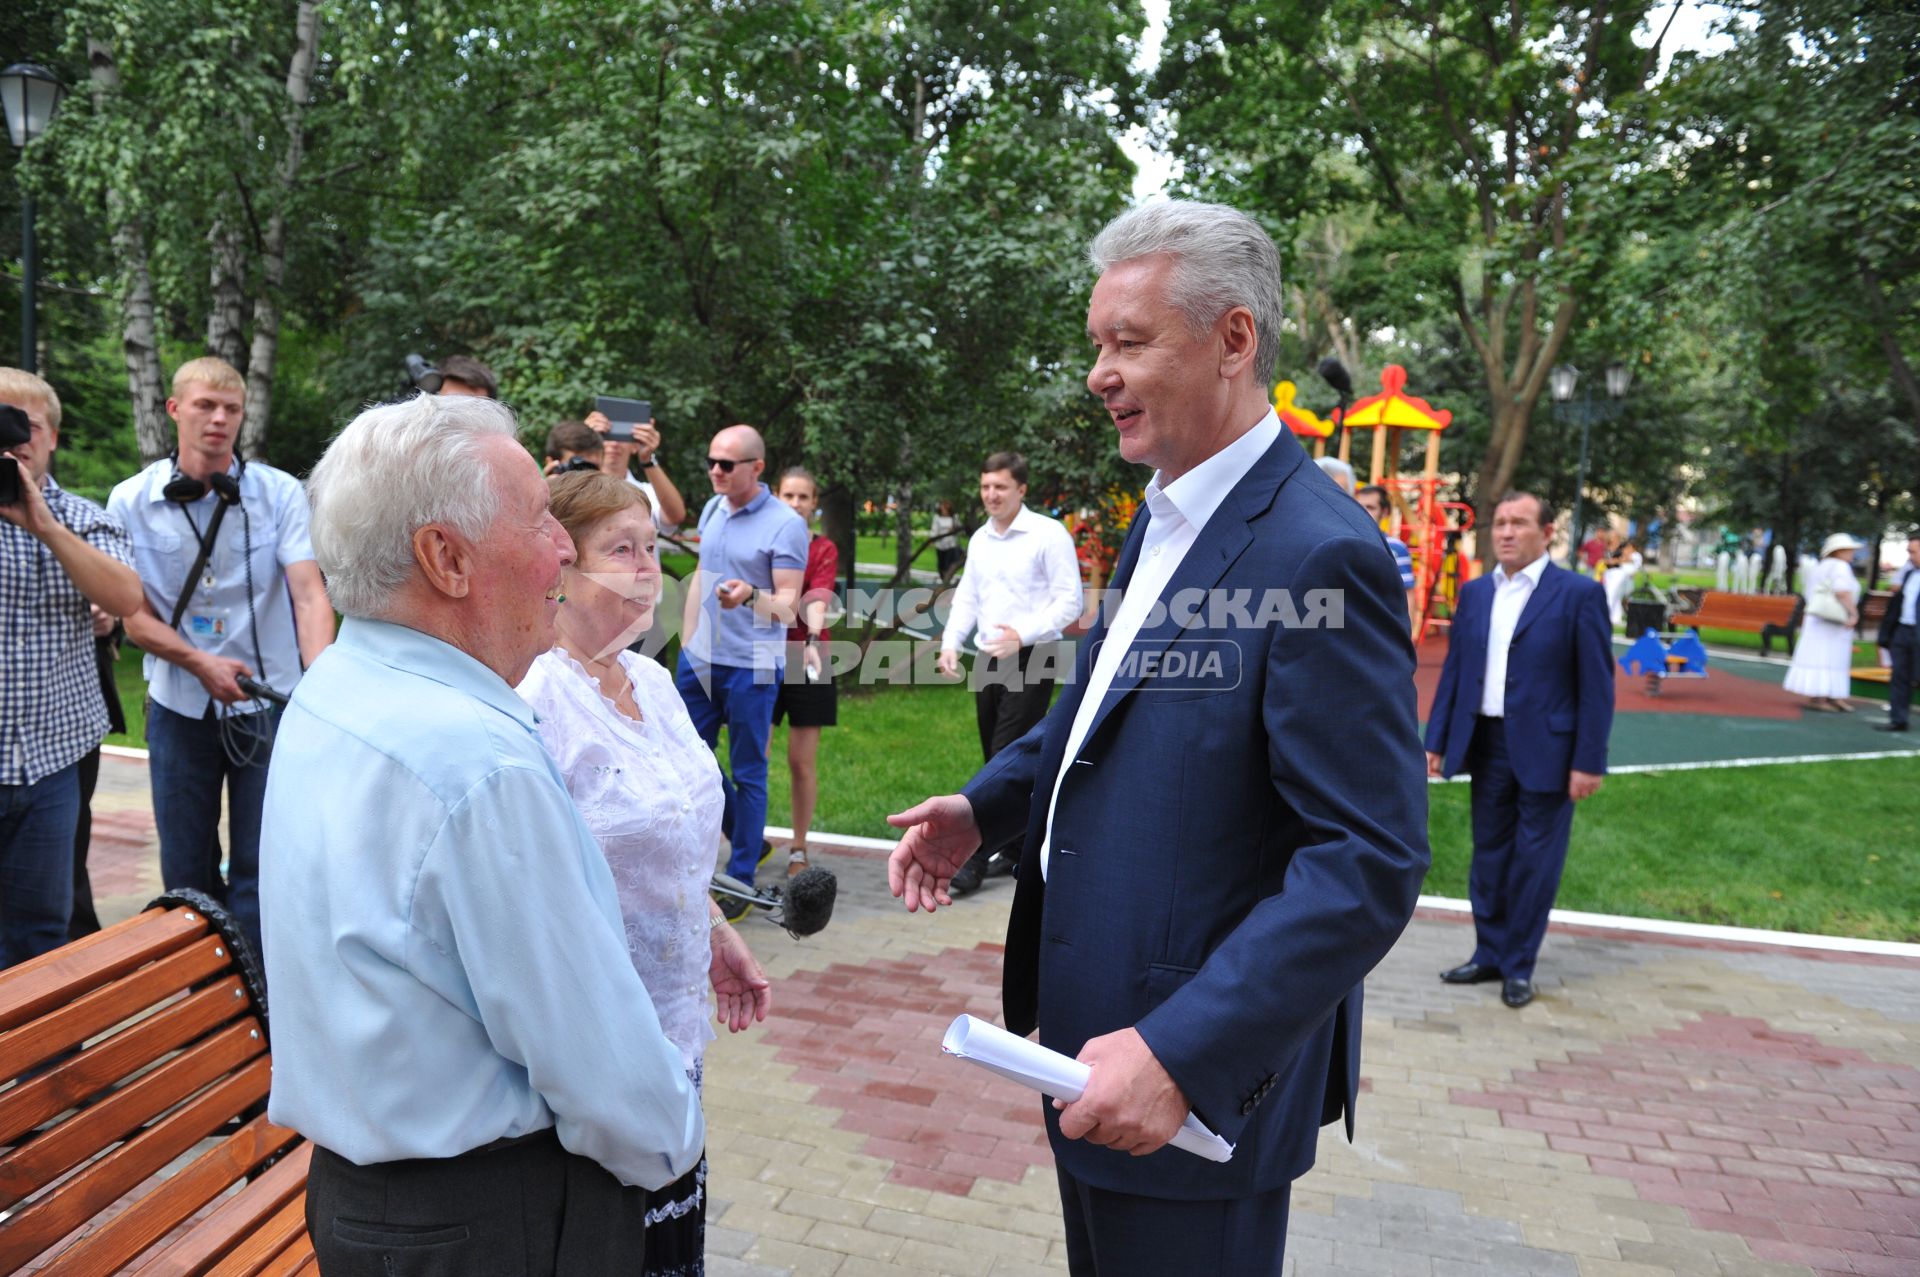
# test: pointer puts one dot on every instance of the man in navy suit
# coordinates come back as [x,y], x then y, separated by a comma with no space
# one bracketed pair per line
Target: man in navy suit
[1224,813]
[1525,704]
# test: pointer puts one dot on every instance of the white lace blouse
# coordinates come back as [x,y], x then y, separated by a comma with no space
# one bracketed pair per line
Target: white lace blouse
[650,793]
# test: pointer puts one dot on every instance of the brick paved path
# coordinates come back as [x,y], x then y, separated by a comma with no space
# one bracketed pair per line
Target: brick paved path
[1664,1108]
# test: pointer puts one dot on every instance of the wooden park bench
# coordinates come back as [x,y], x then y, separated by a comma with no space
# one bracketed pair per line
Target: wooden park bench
[1768,615]
[135,1050]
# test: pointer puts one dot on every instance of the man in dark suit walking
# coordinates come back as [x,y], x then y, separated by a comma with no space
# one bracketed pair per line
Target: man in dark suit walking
[1224,816]
[1525,703]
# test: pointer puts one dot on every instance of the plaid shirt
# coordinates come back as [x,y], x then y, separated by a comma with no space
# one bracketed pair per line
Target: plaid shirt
[51,711]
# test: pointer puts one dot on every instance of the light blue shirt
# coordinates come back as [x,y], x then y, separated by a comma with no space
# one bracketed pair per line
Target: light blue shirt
[744,545]
[1910,596]
[271,517]
[442,937]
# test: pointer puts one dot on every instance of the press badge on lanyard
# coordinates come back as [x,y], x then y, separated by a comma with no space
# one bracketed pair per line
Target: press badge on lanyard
[205,626]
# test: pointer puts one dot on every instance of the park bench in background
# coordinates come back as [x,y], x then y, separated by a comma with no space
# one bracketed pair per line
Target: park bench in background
[1768,615]
[150,1041]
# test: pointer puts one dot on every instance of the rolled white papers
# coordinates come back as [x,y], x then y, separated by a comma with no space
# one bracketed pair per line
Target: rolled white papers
[1053,1074]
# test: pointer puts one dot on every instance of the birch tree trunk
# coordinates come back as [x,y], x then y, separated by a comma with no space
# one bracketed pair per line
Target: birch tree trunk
[226,330]
[139,343]
[273,249]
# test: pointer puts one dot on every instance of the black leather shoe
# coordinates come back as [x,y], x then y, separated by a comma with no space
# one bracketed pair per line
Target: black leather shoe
[966,880]
[1001,865]
[1516,993]
[1889,727]
[1470,973]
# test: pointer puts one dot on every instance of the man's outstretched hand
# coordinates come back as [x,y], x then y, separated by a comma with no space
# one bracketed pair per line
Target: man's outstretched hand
[941,834]
[1130,1103]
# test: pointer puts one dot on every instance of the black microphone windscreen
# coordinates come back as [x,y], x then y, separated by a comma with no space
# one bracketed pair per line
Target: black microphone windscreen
[1334,373]
[809,901]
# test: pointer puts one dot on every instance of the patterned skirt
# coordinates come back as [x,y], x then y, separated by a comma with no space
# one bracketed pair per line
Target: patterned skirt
[677,1218]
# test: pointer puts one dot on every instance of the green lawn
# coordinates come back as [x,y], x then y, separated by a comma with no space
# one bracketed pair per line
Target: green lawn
[1814,847]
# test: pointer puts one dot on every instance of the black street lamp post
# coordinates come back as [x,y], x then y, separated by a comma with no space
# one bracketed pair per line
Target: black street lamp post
[1563,378]
[30,95]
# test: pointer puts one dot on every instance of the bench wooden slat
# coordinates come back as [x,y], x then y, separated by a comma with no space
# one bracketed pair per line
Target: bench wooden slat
[54,979]
[112,1004]
[108,1249]
[29,1167]
[258,1248]
[54,1215]
[127,1052]
[245,1211]
[295,1259]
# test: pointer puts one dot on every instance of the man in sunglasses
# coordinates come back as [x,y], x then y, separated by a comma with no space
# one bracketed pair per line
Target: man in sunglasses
[753,554]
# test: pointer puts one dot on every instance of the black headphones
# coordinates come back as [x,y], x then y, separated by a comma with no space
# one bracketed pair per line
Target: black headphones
[186,490]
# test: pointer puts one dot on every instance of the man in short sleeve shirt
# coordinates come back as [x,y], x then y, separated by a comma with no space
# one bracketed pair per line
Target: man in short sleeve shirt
[257,609]
[58,554]
[753,555]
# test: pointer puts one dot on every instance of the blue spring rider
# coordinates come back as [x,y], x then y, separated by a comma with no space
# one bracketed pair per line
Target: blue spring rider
[1663,656]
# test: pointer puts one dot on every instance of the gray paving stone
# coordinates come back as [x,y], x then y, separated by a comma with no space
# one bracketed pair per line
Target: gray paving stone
[727,1266]
[1349,1258]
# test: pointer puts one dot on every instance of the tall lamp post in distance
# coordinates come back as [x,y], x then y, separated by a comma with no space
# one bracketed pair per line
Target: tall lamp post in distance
[1563,378]
[30,94]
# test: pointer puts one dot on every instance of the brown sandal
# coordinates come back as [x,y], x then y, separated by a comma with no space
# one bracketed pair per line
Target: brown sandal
[796,859]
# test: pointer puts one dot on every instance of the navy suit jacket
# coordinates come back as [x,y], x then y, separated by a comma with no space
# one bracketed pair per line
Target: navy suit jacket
[1232,853]
[1559,702]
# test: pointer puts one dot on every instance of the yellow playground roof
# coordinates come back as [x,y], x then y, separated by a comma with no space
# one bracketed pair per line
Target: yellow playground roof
[1394,408]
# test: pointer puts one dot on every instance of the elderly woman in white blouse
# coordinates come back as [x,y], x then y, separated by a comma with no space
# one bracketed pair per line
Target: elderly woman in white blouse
[649,790]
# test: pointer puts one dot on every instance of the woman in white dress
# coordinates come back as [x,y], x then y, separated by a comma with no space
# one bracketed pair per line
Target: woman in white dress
[649,789]
[1823,656]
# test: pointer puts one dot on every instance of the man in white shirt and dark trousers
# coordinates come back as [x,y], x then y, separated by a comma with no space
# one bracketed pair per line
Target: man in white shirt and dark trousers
[1020,590]
[1900,637]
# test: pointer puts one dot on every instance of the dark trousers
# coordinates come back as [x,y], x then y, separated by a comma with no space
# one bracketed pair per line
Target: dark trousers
[36,864]
[520,1208]
[1519,849]
[1010,697]
[1905,651]
[188,764]
[1113,1234]
[84,921]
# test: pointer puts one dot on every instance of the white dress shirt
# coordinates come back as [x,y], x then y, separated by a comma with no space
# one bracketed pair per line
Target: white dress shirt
[1027,577]
[1510,595]
[1177,515]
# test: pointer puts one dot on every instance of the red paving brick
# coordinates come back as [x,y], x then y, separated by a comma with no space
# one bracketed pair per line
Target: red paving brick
[1802,1148]
[943,1124]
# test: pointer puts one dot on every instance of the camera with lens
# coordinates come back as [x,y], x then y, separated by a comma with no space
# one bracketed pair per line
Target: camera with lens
[422,375]
[15,430]
[572,464]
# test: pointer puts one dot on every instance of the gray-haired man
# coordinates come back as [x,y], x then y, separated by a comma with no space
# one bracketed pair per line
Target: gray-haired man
[457,1024]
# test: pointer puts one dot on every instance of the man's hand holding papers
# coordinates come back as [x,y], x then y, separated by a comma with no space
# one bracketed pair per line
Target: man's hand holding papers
[1130,1103]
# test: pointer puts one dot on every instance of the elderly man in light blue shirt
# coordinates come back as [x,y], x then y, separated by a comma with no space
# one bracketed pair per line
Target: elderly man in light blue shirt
[456,1022]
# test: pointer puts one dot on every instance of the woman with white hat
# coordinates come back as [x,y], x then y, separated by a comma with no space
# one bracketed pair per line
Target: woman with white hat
[1823,658]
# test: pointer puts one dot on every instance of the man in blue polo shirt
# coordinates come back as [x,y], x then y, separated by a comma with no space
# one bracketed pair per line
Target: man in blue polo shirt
[753,554]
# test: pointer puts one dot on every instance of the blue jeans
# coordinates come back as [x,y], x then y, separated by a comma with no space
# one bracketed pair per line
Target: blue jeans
[728,695]
[36,863]
[188,763]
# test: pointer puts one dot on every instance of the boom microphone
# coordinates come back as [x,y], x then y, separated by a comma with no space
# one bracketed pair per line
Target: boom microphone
[805,907]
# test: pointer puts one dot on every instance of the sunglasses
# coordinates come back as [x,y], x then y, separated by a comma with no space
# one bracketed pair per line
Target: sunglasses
[726,466]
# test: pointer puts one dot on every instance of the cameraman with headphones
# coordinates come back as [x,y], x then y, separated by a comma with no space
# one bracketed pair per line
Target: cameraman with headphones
[234,611]
[58,553]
